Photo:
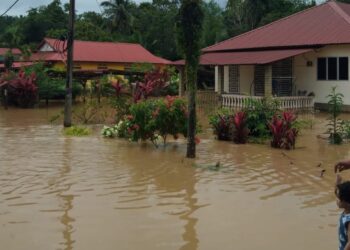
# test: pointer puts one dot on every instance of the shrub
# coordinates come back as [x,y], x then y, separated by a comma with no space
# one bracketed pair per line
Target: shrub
[77,131]
[335,105]
[283,134]
[152,119]
[221,124]
[119,130]
[259,114]
[108,131]
[22,90]
[240,134]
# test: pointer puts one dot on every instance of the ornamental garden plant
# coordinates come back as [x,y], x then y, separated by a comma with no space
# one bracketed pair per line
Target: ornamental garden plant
[257,122]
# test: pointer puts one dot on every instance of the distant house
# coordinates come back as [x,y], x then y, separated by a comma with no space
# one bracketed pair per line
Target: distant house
[16,54]
[94,58]
[297,59]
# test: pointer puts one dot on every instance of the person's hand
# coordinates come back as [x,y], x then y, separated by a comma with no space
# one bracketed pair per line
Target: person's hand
[342,165]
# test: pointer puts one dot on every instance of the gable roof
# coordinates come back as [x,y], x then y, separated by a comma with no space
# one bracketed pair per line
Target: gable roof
[328,23]
[88,51]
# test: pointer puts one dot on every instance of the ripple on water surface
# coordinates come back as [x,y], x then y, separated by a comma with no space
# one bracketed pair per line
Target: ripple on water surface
[93,193]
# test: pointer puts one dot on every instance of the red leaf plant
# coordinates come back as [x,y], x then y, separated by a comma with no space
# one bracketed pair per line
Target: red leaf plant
[283,135]
[22,89]
[153,82]
[118,87]
[240,134]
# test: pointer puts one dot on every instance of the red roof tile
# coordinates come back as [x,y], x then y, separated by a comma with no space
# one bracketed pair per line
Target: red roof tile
[17,65]
[328,23]
[87,51]
[14,51]
[247,57]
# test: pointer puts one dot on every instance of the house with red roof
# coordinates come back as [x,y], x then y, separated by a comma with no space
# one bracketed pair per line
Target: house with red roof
[297,59]
[94,58]
[16,54]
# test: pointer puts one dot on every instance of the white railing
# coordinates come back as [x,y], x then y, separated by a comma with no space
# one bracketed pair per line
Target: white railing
[286,102]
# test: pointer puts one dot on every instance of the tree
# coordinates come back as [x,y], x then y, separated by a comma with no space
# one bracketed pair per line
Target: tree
[154,25]
[189,33]
[213,24]
[118,12]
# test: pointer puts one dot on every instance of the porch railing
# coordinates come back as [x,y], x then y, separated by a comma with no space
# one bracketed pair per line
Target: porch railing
[286,102]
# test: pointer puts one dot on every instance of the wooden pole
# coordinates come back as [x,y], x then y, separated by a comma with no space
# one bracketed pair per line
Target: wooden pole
[69,76]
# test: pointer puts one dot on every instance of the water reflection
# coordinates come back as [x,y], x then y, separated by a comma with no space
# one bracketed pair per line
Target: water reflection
[67,199]
[93,193]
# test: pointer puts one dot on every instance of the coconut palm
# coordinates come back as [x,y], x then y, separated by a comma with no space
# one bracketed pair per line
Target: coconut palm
[119,12]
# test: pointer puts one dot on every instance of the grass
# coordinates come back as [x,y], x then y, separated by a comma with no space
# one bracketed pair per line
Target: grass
[77,131]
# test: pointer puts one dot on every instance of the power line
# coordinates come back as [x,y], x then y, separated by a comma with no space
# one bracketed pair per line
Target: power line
[9,8]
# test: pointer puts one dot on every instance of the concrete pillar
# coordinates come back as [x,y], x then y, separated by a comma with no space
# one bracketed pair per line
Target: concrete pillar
[268,80]
[216,79]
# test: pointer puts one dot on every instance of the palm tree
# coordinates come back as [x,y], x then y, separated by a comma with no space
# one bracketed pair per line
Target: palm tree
[119,12]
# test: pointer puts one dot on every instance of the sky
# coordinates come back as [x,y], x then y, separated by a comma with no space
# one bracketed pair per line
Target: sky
[24,5]
[81,5]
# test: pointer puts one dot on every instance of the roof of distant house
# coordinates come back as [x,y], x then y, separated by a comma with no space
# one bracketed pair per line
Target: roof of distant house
[88,51]
[14,51]
[325,24]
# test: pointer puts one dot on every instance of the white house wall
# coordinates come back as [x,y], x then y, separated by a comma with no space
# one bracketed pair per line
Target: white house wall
[306,76]
[246,73]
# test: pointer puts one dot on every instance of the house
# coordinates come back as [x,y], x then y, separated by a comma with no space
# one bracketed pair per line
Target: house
[16,56]
[297,59]
[95,58]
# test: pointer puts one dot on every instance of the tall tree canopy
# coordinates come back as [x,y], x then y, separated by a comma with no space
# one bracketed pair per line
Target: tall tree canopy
[151,24]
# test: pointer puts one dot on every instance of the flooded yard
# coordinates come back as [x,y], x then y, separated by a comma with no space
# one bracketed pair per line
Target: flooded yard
[93,193]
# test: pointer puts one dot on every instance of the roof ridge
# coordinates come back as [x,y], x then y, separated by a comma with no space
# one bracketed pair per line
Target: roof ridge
[112,42]
[335,6]
[269,24]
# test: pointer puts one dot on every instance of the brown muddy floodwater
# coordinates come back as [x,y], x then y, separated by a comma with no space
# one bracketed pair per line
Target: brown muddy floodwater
[93,193]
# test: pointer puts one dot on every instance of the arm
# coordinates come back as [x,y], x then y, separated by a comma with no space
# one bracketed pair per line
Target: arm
[347,246]
[342,165]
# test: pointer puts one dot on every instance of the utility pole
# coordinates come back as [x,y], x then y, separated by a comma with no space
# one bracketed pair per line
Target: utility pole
[69,76]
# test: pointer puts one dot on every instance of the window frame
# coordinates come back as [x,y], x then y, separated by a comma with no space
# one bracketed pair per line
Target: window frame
[327,68]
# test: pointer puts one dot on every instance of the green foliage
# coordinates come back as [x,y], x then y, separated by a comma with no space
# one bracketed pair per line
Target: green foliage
[77,131]
[151,119]
[346,129]
[86,112]
[108,132]
[8,59]
[221,123]
[259,114]
[335,105]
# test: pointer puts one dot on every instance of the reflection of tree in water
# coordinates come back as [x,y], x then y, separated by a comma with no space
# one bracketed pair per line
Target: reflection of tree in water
[171,177]
[190,234]
[67,199]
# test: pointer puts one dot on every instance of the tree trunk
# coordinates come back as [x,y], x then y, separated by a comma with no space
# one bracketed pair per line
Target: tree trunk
[191,73]
[68,101]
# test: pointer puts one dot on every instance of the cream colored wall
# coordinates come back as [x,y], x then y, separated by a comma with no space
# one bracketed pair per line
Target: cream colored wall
[226,82]
[246,77]
[306,77]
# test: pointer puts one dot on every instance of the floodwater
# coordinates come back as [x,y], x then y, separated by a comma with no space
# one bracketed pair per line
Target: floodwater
[93,193]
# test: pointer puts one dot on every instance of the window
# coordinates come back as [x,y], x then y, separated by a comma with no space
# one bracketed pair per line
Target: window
[343,68]
[333,68]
